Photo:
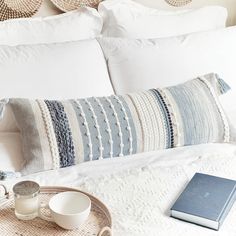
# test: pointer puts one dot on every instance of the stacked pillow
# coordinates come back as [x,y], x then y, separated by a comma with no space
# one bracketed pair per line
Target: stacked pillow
[56,70]
[84,23]
[57,57]
[172,60]
[128,19]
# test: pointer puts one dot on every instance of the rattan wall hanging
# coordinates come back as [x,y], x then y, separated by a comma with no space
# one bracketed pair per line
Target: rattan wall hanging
[18,8]
[69,5]
[178,3]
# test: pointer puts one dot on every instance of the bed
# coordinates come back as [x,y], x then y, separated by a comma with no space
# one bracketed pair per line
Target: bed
[138,189]
[140,195]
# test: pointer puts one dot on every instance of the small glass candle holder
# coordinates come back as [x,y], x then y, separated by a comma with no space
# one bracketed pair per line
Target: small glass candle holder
[26,200]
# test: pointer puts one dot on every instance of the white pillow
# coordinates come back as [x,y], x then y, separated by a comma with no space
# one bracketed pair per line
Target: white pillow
[125,18]
[54,71]
[136,64]
[84,23]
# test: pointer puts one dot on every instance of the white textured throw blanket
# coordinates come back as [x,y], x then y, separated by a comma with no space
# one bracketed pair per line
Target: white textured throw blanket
[140,190]
[140,199]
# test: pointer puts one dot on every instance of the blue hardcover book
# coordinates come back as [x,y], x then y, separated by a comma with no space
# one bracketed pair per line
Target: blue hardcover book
[205,201]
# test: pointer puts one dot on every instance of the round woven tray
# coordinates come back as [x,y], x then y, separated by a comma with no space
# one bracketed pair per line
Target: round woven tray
[18,8]
[69,5]
[178,3]
[99,222]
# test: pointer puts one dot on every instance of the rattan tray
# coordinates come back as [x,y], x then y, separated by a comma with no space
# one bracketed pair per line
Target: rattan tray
[99,222]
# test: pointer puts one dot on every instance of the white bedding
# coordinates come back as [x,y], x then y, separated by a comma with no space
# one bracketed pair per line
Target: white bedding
[140,190]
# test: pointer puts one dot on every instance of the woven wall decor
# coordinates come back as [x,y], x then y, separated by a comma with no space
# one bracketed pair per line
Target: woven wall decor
[69,5]
[178,3]
[18,8]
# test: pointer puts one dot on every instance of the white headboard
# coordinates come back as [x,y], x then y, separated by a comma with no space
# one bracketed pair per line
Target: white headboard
[47,7]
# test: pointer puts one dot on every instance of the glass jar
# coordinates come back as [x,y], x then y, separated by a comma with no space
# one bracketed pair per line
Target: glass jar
[26,200]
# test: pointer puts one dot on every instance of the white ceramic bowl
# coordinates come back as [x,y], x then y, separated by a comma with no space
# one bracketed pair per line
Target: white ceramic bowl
[70,209]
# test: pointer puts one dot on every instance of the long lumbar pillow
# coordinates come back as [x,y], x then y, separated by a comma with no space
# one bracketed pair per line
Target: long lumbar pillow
[58,134]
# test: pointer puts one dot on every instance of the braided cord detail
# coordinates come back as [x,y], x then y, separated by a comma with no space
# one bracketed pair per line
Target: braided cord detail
[50,133]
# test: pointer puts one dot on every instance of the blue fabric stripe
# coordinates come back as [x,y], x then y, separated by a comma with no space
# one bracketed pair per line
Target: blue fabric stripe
[62,132]
[114,128]
[133,130]
[195,107]
[103,126]
[82,129]
[92,128]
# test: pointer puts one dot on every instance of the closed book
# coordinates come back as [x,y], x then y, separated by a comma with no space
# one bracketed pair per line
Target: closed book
[205,201]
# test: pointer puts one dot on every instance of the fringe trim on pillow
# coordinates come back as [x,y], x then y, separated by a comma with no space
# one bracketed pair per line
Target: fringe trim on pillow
[5,175]
[223,86]
[3,103]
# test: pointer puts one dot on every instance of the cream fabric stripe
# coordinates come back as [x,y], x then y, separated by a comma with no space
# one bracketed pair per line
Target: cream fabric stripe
[50,134]
[75,131]
[221,111]
[159,130]
[137,124]
[145,107]
[153,139]
[45,147]
[143,120]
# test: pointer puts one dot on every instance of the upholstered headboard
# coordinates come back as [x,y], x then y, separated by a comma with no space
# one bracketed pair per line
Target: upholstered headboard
[47,7]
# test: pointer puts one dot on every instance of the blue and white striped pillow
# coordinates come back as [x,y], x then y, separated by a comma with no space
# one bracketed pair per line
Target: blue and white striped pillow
[58,134]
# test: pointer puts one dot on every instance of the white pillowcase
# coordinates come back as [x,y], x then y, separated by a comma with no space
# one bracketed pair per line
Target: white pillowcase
[136,64]
[125,18]
[54,71]
[84,23]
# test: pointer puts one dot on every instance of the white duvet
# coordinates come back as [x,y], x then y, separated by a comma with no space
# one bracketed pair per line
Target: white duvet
[140,190]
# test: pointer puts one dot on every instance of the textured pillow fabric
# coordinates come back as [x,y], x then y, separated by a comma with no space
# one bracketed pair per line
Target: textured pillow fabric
[126,18]
[7,121]
[58,134]
[84,23]
[54,71]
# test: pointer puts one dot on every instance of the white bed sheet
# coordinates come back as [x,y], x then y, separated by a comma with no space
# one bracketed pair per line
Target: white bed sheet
[139,190]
